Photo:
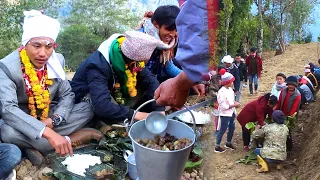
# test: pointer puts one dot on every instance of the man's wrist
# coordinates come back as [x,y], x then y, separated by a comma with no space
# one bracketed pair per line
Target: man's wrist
[184,82]
[56,120]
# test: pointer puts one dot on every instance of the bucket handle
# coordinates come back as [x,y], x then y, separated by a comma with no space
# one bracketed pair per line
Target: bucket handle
[126,154]
[128,125]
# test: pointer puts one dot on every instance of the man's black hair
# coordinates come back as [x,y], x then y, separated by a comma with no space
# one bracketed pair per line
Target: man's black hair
[238,54]
[166,15]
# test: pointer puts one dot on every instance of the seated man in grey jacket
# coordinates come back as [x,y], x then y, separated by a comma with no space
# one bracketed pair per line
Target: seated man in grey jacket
[37,104]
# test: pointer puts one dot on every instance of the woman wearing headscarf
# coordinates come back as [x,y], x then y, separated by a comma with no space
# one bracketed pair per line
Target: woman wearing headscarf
[274,144]
[256,111]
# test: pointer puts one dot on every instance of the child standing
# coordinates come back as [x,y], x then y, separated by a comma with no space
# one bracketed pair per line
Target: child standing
[279,84]
[227,111]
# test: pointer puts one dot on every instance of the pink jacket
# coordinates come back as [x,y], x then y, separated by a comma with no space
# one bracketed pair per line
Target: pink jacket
[225,99]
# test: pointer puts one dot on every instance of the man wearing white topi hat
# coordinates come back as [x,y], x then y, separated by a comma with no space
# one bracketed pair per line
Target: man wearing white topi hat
[37,104]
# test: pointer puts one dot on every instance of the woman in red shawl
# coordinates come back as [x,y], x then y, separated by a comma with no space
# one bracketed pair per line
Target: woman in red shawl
[256,111]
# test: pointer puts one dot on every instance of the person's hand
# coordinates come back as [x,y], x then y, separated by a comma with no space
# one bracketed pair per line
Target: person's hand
[141,116]
[59,143]
[236,104]
[48,122]
[173,92]
[258,126]
[199,89]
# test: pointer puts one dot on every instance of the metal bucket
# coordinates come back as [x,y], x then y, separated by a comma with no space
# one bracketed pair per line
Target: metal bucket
[132,169]
[156,164]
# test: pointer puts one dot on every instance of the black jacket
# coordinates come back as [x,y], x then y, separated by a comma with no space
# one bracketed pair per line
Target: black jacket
[95,76]
[242,71]
[235,72]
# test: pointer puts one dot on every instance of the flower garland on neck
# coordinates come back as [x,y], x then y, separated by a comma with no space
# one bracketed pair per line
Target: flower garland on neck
[37,91]
[132,77]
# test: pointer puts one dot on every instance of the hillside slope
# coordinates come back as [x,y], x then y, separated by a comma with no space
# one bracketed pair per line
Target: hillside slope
[303,162]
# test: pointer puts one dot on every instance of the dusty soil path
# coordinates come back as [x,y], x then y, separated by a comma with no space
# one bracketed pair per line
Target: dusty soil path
[223,166]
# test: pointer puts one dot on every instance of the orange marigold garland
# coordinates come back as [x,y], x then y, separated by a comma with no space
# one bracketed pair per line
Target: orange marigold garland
[39,96]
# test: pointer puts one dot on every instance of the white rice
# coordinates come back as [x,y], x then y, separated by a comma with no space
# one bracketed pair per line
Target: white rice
[200,117]
[78,163]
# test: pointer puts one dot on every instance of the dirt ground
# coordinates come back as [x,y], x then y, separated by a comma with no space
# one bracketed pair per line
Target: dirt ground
[303,162]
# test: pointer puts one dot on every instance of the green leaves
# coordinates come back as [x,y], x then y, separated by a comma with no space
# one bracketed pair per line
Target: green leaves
[248,159]
[195,158]
[290,121]
[113,166]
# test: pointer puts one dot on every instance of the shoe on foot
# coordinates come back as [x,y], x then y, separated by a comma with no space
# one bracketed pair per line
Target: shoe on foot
[34,156]
[229,146]
[218,149]
[263,164]
[84,136]
[246,148]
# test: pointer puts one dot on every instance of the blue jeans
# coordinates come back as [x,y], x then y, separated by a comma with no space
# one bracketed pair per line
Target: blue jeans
[10,157]
[257,151]
[253,78]
[226,123]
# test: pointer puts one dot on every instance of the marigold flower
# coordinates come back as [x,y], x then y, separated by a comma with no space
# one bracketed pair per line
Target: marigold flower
[38,95]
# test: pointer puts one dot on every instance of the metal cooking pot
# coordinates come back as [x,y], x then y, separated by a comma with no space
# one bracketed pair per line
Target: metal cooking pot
[157,164]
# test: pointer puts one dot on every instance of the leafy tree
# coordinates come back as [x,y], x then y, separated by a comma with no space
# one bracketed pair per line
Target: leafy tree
[103,17]
[76,43]
[224,23]
[308,38]
[240,26]
[299,17]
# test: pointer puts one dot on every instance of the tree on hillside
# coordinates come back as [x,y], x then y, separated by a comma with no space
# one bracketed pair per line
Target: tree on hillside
[262,5]
[299,18]
[224,23]
[241,26]
[76,43]
[89,23]
[103,17]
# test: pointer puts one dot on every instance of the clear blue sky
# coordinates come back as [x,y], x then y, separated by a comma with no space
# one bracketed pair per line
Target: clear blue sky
[314,28]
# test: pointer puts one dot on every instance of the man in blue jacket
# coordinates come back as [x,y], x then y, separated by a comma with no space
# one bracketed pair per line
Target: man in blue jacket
[114,75]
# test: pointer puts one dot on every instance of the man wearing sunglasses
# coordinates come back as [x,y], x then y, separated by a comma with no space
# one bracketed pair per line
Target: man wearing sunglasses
[37,104]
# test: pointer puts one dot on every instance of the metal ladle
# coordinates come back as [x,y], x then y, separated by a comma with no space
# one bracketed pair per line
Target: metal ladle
[156,122]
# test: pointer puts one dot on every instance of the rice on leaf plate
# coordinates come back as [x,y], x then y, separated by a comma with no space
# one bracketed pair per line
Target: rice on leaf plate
[200,117]
[112,166]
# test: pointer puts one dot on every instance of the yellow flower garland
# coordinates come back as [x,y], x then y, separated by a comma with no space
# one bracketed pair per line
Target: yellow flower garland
[132,80]
[40,95]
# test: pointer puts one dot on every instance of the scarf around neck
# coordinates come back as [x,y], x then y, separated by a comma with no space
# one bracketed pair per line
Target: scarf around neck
[118,65]
[165,55]
[279,87]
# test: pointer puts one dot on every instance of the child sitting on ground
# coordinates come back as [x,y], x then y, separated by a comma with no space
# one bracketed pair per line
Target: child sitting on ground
[227,111]
[279,84]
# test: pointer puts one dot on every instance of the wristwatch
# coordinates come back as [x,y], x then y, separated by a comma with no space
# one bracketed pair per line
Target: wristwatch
[56,120]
